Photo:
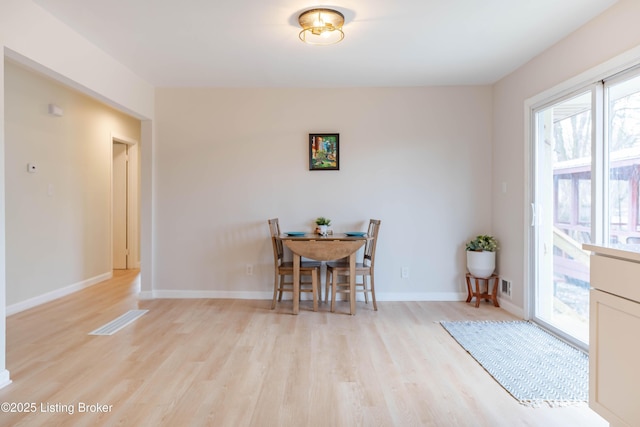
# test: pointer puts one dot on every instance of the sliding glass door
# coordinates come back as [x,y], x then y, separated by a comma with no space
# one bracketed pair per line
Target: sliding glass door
[623,159]
[563,140]
[586,190]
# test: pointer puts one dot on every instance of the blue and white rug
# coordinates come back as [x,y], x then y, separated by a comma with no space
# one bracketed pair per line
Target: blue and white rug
[530,363]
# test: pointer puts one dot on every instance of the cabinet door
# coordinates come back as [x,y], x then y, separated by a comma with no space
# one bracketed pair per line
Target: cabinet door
[614,356]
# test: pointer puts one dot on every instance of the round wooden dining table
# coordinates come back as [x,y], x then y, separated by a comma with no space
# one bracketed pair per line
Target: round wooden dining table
[321,248]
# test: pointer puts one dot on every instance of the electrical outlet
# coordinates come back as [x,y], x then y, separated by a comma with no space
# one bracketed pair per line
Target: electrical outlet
[404,273]
[249,270]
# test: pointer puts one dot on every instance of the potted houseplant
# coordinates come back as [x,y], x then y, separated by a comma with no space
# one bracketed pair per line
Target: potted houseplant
[481,256]
[323,223]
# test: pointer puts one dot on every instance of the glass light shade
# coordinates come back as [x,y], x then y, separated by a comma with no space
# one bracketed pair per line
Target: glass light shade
[321,26]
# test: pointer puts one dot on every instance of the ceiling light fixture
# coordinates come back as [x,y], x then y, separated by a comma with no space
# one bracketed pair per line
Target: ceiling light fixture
[321,26]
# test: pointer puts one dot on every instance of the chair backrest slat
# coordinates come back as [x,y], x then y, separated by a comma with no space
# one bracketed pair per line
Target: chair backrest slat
[370,246]
[278,249]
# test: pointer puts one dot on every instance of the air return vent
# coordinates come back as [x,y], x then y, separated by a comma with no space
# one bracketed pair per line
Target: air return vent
[505,288]
[119,323]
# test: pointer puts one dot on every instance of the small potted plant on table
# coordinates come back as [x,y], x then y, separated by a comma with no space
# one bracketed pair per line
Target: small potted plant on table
[481,256]
[323,223]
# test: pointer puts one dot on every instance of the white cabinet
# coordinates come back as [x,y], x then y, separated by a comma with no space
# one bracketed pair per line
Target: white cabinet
[614,339]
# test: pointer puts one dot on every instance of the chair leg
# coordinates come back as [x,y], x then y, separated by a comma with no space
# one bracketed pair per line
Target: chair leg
[314,289]
[327,286]
[334,286]
[373,292]
[280,292]
[275,292]
[365,289]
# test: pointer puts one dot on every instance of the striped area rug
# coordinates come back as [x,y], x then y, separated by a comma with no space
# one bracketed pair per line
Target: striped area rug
[534,366]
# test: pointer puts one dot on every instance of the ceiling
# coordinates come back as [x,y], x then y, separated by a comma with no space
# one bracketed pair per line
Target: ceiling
[254,43]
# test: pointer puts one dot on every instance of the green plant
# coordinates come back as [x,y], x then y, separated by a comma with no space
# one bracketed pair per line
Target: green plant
[323,221]
[483,243]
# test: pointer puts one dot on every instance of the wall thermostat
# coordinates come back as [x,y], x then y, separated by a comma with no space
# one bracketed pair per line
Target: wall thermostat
[55,110]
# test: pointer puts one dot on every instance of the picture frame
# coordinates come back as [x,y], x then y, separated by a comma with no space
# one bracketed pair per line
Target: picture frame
[324,151]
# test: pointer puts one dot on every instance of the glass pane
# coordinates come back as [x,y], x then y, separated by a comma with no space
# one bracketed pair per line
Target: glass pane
[624,160]
[584,199]
[563,194]
[563,207]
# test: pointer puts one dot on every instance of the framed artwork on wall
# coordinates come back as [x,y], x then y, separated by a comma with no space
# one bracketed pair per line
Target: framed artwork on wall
[324,151]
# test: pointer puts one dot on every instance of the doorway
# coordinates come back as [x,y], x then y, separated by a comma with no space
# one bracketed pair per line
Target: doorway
[120,206]
[124,204]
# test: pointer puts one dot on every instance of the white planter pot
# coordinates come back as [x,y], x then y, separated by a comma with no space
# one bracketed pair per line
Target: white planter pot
[481,264]
[323,229]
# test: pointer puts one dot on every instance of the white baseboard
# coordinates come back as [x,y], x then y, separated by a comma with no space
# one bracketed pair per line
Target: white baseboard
[513,309]
[146,295]
[58,293]
[4,378]
[388,296]
[261,295]
[181,294]
[422,296]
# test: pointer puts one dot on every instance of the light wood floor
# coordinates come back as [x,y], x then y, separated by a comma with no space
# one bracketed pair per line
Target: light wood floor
[237,363]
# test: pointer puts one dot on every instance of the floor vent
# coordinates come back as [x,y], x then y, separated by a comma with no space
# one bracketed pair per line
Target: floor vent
[119,323]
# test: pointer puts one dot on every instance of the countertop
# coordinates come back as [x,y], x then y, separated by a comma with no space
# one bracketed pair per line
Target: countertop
[626,252]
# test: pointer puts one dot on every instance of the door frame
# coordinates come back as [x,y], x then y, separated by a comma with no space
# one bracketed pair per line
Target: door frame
[540,219]
[133,201]
[602,71]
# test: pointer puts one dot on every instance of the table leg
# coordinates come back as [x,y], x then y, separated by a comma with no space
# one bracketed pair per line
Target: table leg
[352,283]
[296,283]
[478,292]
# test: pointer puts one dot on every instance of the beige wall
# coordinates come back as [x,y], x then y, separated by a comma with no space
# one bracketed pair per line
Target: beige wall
[58,219]
[32,36]
[428,152]
[608,35]
[419,159]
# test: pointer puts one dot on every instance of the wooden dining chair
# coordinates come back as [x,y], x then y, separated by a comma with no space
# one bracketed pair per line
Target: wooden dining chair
[364,269]
[284,269]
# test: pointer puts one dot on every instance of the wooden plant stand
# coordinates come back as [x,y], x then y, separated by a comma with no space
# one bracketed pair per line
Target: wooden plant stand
[478,293]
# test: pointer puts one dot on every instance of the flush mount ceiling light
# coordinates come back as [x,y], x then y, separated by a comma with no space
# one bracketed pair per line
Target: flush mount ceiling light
[321,26]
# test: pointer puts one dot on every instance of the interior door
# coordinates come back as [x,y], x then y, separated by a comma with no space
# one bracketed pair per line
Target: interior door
[120,208]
